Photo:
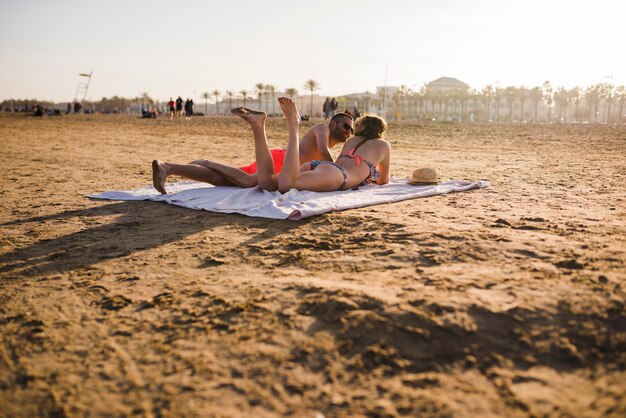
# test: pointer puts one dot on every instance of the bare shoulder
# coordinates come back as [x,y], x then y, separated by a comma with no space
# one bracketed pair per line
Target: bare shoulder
[320,128]
[317,132]
[383,143]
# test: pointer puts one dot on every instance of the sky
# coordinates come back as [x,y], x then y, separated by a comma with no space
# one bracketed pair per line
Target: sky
[168,48]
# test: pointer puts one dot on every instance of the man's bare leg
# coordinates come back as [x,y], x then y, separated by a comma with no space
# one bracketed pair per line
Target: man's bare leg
[291,166]
[266,177]
[159,175]
[198,172]
[234,175]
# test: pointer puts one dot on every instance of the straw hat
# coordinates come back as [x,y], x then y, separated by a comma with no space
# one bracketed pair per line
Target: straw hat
[424,176]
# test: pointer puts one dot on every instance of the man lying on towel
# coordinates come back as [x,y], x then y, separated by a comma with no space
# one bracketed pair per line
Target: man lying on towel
[314,145]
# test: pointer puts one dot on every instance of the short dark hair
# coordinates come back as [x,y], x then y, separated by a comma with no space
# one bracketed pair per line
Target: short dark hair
[341,114]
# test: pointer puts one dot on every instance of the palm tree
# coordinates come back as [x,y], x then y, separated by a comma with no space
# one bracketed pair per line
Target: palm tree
[561,99]
[574,95]
[311,85]
[462,96]
[446,99]
[420,101]
[216,93]
[592,96]
[454,97]
[547,95]
[440,99]
[497,94]
[271,90]
[244,94]
[487,94]
[607,95]
[230,98]
[400,98]
[522,94]
[535,95]
[620,93]
[291,92]
[428,99]
[474,97]
[511,94]
[260,88]
[206,96]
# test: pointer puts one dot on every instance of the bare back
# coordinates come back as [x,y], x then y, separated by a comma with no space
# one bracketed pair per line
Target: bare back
[377,151]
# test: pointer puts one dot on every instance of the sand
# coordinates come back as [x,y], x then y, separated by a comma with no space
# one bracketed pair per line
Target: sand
[506,301]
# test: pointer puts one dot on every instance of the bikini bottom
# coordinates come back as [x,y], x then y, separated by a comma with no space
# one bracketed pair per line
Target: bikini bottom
[315,163]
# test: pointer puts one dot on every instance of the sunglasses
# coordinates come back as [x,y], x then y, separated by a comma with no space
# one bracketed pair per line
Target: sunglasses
[348,127]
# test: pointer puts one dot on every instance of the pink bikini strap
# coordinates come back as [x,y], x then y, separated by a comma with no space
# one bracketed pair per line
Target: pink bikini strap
[356,157]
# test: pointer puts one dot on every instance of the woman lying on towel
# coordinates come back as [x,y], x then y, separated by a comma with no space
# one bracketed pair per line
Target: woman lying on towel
[364,158]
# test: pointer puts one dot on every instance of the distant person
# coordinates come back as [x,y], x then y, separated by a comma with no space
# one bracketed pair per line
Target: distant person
[333,106]
[179,107]
[326,108]
[171,105]
[148,113]
[314,145]
[39,111]
[355,112]
[188,108]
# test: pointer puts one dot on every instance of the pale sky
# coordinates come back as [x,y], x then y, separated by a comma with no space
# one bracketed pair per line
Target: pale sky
[170,48]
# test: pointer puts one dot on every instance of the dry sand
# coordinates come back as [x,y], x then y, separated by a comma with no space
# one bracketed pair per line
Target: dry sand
[506,301]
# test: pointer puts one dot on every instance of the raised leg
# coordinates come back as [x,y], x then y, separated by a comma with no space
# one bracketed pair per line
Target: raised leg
[266,177]
[324,178]
[291,166]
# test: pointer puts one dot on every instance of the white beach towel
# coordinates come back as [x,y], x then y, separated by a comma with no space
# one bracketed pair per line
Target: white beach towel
[293,205]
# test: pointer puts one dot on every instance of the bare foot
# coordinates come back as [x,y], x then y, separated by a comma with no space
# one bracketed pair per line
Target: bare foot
[253,117]
[159,175]
[290,110]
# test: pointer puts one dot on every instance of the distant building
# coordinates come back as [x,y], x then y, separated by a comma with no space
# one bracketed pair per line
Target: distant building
[388,101]
[366,102]
[447,84]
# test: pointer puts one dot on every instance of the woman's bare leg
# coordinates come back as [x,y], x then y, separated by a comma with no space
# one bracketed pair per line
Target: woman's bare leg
[266,177]
[291,166]
[324,178]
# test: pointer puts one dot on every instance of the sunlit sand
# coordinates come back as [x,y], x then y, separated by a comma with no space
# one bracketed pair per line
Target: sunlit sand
[505,301]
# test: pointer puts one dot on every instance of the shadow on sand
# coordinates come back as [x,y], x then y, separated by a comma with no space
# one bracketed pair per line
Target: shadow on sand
[135,226]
